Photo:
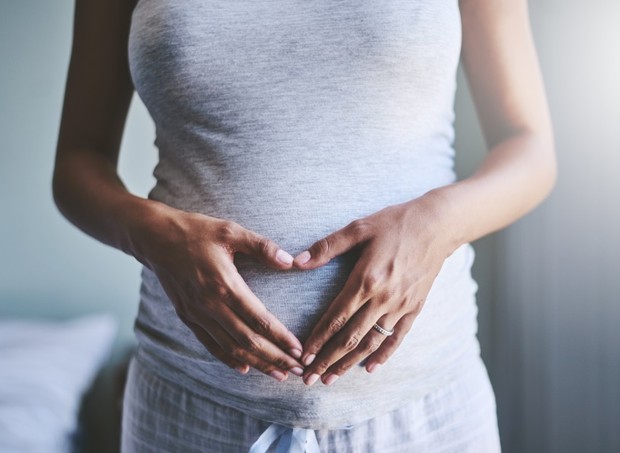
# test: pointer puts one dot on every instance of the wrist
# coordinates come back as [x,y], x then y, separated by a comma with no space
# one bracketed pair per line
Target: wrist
[143,221]
[446,224]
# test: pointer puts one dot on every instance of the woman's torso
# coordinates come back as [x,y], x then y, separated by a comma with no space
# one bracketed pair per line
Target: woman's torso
[294,118]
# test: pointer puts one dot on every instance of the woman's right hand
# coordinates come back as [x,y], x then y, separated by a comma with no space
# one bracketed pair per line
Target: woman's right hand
[192,255]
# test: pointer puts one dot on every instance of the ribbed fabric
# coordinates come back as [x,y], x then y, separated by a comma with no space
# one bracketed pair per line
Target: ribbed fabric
[294,118]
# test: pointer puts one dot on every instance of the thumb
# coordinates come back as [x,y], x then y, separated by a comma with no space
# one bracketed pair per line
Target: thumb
[336,243]
[262,248]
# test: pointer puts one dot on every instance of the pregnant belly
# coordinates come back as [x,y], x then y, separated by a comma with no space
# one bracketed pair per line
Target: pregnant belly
[297,297]
[442,338]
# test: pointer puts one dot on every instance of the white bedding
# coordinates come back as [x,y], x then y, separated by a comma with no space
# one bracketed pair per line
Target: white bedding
[45,368]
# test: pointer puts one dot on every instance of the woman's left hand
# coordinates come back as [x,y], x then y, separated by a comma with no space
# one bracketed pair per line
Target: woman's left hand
[403,248]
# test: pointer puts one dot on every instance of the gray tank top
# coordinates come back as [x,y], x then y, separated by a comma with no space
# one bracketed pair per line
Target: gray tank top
[293,118]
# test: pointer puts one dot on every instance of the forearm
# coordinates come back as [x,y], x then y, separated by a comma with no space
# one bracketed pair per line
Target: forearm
[516,176]
[89,193]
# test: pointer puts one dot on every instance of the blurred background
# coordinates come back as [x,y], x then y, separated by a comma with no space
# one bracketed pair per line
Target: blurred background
[549,292]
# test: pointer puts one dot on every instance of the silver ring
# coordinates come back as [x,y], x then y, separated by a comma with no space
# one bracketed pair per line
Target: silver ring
[383,331]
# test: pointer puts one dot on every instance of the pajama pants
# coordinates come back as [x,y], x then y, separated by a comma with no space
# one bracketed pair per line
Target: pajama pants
[162,416]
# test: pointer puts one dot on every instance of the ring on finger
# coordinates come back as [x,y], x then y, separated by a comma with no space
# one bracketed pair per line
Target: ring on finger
[382,330]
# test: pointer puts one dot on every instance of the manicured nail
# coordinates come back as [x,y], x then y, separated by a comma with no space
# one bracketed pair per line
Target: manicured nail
[296,353]
[312,379]
[372,368]
[243,369]
[303,257]
[278,375]
[297,371]
[284,257]
[329,380]
[309,359]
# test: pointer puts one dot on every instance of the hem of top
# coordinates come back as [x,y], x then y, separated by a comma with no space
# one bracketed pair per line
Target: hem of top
[346,420]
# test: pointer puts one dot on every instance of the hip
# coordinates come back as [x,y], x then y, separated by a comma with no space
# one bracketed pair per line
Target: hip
[161,415]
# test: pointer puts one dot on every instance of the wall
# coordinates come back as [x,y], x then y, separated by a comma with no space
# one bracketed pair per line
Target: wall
[549,285]
[556,342]
[50,268]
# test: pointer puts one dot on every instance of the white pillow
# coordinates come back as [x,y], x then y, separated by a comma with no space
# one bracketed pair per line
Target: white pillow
[45,368]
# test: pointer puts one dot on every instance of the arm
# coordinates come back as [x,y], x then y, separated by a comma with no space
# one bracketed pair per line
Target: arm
[405,245]
[519,172]
[192,254]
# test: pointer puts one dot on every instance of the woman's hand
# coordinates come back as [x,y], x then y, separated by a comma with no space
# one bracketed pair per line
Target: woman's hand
[192,255]
[402,250]
[404,246]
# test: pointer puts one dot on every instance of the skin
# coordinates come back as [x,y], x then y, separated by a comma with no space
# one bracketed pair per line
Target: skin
[402,247]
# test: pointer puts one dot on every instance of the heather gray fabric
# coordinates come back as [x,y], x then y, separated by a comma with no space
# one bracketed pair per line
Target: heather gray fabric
[294,118]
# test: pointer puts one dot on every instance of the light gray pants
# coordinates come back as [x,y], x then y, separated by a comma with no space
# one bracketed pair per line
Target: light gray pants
[161,416]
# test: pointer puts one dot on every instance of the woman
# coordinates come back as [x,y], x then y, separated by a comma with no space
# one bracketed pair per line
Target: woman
[306,225]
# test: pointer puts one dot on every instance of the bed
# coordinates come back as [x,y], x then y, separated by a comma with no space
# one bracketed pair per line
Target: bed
[61,384]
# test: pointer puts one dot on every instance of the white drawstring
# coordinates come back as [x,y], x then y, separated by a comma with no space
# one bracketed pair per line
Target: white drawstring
[292,440]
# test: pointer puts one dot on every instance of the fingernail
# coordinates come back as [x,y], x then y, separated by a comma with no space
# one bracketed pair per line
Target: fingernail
[303,257]
[242,369]
[278,375]
[372,368]
[329,380]
[312,379]
[309,359]
[296,353]
[297,371]
[284,257]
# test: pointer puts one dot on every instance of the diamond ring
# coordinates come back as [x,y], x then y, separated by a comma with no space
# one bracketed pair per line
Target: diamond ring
[383,331]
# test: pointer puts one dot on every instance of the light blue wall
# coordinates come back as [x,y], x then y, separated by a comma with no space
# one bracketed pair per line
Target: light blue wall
[47,266]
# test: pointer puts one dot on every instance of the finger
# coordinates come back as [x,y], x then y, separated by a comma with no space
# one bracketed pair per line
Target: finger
[242,300]
[347,340]
[264,249]
[259,346]
[391,343]
[239,353]
[371,342]
[214,348]
[336,243]
[254,343]
[356,292]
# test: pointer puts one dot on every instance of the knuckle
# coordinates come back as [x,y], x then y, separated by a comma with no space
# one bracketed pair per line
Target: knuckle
[265,369]
[261,324]
[372,345]
[263,245]
[321,367]
[237,352]
[322,246]
[341,369]
[281,363]
[352,341]
[223,293]
[411,306]
[336,324]
[251,343]
[227,232]
[358,229]
[370,283]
